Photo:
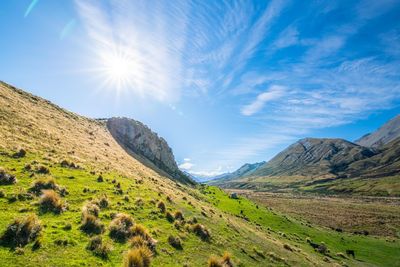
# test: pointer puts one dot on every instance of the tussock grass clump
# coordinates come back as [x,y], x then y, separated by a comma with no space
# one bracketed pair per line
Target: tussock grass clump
[175,242]
[91,224]
[179,215]
[140,230]
[288,247]
[21,232]
[137,241]
[50,201]
[138,257]
[213,261]
[161,206]
[201,231]
[99,247]
[121,227]
[103,202]
[43,184]
[170,217]
[66,164]
[19,154]
[42,169]
[6,178]
[91,208]
[227,259]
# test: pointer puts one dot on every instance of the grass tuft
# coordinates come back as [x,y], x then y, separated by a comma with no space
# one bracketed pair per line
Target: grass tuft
[50,201]
[21,232]
[138,257]
[121,227]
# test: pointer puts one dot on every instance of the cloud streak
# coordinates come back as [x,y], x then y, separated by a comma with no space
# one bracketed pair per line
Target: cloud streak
[274,92]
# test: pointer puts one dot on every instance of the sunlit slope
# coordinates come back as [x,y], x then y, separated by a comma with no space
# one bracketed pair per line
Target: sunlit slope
[255,236]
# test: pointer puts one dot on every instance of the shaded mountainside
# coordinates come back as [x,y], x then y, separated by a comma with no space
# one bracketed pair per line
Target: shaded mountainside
[384,163]
[314,157]
[385,134]
[139,140]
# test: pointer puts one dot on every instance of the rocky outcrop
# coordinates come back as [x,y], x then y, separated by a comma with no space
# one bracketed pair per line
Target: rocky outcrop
[385,134]
[138,140]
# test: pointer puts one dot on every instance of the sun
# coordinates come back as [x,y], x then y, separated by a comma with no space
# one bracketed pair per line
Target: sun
[118,68]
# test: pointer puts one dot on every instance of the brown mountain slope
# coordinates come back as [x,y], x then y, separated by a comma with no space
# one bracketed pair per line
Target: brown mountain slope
[314,157]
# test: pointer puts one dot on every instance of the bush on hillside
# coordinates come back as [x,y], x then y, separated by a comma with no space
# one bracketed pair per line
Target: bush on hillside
[179,215]
[6,178]
[91,208]
[213,261]
[19,154]
[227,259]
[21,232]
[99,247]
[138,257]
[201,231]
[161,206]
[91,224]
[50,201]
[175,242]
[43,184]
[170,217]
[121,227]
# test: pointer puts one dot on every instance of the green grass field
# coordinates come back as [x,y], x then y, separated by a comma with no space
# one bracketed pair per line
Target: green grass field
[255,236]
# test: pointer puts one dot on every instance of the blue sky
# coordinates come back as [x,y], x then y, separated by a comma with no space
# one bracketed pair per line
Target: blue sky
[224,82]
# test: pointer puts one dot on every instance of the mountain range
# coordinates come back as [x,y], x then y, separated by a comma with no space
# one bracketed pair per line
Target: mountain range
[375,155]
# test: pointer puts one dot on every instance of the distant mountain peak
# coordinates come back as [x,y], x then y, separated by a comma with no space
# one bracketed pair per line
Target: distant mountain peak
[385,134]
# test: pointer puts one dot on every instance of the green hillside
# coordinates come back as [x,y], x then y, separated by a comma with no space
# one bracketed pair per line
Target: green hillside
[94,180]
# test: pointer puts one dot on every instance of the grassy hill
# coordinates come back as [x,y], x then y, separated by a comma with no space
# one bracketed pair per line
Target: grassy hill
[44,146]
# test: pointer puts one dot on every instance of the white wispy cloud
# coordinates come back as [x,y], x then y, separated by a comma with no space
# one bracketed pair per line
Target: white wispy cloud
[273,93]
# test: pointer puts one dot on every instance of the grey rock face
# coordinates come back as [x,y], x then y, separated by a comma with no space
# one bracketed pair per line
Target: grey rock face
[137,138]
[385,134]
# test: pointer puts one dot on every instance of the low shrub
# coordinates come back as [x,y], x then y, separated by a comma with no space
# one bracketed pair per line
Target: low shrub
[161,206]
[175,242]
[121,227]
[6,178]
[179,215]
[213,261]
[43,184]
[19,154]
[100,179]
[137,241]
[2,194]
[99,247]
[103,202]
[170,217]
[201,231]
[91,208]
[91,225]
[50,201]
[21,232]
[227,259]
[42,169]
[138,257]
[288,247]
[140,230]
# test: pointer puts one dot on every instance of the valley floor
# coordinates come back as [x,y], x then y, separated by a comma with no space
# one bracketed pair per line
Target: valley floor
[362,214]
